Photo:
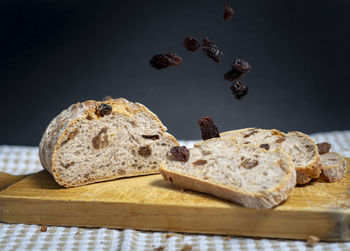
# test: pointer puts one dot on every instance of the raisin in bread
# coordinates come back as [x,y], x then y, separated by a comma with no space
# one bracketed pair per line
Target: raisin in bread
[96,141]
[246,174]
[301,148]
[333,166]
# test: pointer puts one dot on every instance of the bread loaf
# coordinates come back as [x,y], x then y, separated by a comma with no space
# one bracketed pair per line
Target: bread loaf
[246,174]
[96,141]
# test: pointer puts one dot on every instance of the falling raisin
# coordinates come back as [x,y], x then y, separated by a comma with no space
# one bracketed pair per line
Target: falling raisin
[228,12]
[265,146]
[211,50]
[208,128]
[239,89]
[323,147]
[103,109]
[165,60]
[192,44]
[152,137]
[241,65]
[180,153]
[232,75]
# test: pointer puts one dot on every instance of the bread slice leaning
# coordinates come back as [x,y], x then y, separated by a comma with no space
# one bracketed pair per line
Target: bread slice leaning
[301,148]
[82,146]
[333,166]
[246,174]
[304,154]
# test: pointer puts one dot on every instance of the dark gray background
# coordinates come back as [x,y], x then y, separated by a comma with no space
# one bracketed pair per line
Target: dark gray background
[55,53]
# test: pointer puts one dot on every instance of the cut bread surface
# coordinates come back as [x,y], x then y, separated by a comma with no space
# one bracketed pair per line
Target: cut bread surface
[333,166]
[245,174]
[256,136]
[301,148]
[304,154]
[80,146]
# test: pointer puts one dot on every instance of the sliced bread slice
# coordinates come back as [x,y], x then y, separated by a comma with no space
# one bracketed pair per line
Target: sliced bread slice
[333,166]
[265,138]
[96,141]
[246,174]
[301,148]
[304,154]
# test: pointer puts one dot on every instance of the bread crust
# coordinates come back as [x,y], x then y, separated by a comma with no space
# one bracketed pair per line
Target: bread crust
[335,173]
[261,200]
[58,130]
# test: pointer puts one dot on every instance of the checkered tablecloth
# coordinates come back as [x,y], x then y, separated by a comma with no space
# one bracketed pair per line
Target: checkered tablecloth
[24,160]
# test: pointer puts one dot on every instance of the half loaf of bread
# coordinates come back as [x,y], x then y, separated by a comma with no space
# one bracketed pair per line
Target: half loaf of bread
[246,174]
[96,141]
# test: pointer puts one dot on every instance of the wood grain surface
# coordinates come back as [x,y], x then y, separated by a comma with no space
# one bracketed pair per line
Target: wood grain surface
[320,208]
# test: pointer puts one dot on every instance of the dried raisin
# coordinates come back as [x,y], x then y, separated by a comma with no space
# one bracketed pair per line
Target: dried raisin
[145,151]
[241,65]
[239,89]
[165,60]
[211,50]
[200,162]
[192,44]
[323,147]
[228,12]
[280,140]
[232,75]
[265,146]
[180,153]
[250,133]
[103,109]
[98,142]
[152,137]
[208,128]
[249,163]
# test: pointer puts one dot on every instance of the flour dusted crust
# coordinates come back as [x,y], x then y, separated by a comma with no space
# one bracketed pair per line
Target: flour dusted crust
[293,143]
[181,175]
[333,166]
[59,131]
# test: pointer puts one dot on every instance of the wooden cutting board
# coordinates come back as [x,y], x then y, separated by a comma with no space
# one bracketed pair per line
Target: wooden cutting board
[149,203]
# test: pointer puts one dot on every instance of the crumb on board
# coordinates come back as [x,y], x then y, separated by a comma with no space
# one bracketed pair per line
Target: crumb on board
[43,228]
[312,241]
[186,247]
[160,248]
[169,235]
[227,238]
